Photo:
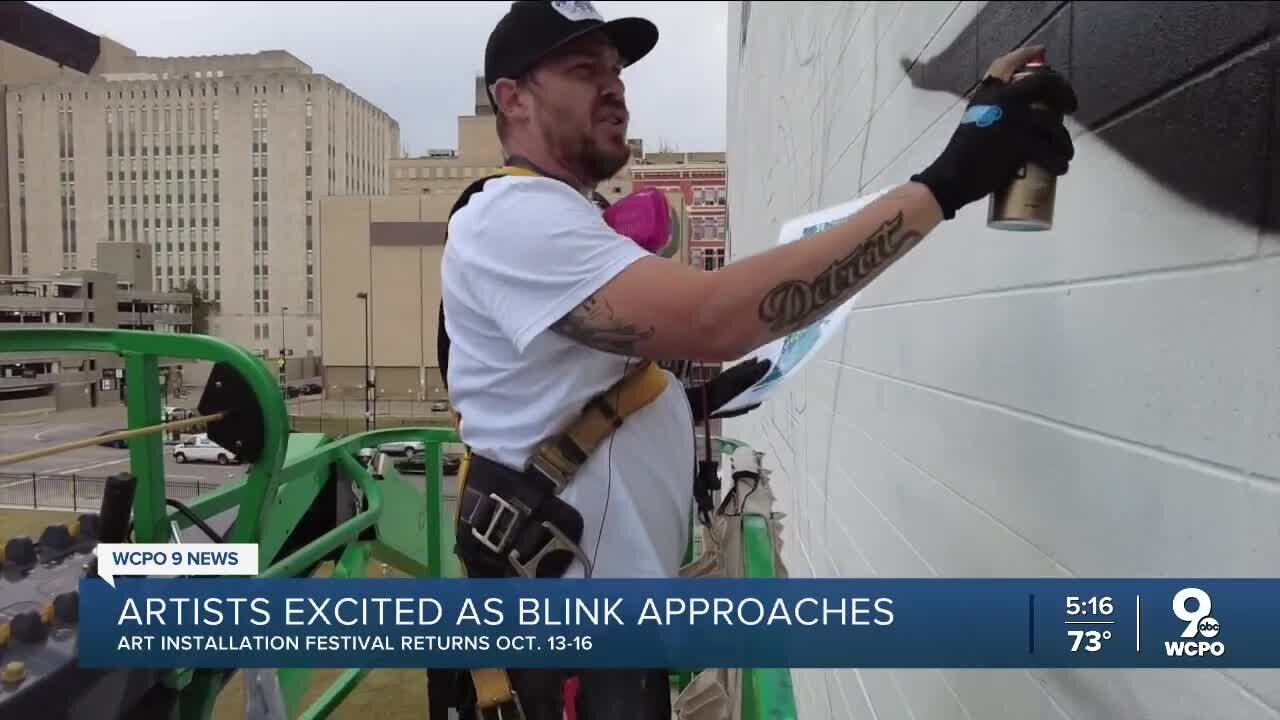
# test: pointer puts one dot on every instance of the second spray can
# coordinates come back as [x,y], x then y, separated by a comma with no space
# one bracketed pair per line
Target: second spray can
[1026,203]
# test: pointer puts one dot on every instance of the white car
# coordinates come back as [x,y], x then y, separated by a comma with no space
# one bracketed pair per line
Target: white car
[201,448]
[408,448]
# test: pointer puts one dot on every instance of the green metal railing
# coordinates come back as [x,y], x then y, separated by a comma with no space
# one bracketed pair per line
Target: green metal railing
[766,692]
[141,352]
[397,512]
[395,523]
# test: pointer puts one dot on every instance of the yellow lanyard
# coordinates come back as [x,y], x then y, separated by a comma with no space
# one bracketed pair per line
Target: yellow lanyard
[513,170]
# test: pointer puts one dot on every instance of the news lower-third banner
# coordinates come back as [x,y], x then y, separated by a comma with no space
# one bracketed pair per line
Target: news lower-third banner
[681,623]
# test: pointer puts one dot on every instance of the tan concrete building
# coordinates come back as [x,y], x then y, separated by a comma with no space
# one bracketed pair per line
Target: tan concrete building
[217,163]
[388,248]
[36,46]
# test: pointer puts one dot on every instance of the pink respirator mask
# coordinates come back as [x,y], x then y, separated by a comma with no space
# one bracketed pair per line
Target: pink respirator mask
[643,217]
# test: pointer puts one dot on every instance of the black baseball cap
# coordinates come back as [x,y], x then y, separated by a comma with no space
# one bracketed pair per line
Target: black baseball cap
[532,29]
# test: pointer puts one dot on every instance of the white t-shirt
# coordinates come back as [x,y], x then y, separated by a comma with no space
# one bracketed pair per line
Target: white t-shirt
[521,254]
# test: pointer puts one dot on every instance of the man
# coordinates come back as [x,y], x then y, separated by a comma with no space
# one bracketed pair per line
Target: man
[547,308]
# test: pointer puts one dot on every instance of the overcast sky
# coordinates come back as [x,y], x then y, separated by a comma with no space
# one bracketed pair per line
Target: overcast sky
[418,60]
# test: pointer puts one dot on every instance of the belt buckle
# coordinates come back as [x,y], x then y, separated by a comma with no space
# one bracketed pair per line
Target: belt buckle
[550,472]
[502,508]
[558,541]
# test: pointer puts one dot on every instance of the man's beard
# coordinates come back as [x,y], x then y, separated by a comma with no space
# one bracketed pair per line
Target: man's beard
[601,164]
[590,162]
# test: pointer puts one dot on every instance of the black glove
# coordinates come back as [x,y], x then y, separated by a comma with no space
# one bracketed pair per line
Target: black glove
[997,134]
[725,387]
[734,413]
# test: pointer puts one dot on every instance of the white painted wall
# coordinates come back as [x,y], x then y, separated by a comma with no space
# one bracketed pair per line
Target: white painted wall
[1099,400]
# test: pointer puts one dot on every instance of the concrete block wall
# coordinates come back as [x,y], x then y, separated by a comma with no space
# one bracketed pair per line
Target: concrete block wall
[1099,400]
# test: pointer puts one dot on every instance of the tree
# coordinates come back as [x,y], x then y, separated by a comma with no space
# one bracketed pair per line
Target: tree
[200,308]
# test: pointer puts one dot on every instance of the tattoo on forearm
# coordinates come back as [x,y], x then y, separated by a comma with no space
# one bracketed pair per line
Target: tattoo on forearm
[593,324]
[796,303]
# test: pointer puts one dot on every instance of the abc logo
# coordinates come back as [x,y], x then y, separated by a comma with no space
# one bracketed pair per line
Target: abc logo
[1192,606]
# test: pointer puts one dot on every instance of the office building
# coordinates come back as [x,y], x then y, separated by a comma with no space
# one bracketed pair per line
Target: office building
[216,163]
[118,296]
[36,46]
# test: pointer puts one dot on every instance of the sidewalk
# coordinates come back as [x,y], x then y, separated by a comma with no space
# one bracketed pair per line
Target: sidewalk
[106,415]
[317,405]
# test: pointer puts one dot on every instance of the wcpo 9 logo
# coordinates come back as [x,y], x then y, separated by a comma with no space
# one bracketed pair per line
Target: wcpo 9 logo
[1192,606]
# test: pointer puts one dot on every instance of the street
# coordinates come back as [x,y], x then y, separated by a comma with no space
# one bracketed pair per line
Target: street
[75,479]
[93,461]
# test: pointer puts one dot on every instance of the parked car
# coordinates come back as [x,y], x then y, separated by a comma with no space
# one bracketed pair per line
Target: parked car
[119,443]
[440,406]
[201,449]
[311,389]
[408,448]
[449,465]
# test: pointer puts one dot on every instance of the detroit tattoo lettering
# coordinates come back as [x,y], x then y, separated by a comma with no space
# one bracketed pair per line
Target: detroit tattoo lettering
[796,303]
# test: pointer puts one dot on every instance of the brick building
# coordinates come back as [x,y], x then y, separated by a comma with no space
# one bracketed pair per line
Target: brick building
[700,178]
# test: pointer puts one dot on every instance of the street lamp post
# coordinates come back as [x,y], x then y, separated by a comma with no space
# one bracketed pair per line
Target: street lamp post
[364,297]
[283,363]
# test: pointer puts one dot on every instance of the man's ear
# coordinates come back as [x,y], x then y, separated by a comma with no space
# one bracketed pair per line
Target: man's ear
[510,98]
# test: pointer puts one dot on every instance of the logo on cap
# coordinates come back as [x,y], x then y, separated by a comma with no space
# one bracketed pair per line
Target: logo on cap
[577,10]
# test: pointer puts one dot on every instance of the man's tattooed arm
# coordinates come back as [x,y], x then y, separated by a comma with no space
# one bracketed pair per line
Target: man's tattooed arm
[593,324]
[662,309]
[793,304]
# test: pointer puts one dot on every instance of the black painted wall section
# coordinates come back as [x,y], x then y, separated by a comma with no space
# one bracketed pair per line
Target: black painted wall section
[1006,25]
[1187,91]
[1273,137]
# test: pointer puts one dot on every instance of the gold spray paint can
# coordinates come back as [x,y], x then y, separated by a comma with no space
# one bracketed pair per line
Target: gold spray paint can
[1026,203]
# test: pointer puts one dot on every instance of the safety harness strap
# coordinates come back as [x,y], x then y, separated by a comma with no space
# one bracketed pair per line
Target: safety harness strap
[495,698]
[442,333]
[560,458]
